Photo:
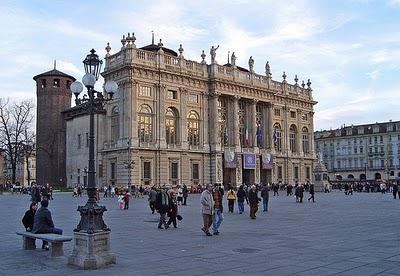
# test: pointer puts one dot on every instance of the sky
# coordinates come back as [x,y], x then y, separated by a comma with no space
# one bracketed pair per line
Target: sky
[349,49]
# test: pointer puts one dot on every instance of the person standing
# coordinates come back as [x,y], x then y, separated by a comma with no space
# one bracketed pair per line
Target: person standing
[241,196]
[218,209]
[301,192]
[185,191]
[231,197]
[276,188]
[265,197]
[162,206]
[395,189]
[152,199]
[43,223]
[253,201]
[180,195]
[127,198]
[312,192]
[207,208]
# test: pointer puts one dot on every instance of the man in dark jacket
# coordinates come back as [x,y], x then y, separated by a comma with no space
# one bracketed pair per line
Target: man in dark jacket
[152,199]
[253,201]
[185,192]
[311,192]
[162,206]
[395,189]
[241,196]
[43,223]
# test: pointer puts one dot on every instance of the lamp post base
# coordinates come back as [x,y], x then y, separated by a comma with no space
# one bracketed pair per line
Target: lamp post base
[91,251]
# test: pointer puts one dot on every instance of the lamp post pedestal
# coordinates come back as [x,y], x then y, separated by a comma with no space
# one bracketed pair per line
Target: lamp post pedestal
[91,251]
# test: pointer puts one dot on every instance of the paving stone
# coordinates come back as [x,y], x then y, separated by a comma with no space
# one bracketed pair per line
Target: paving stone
[337,234]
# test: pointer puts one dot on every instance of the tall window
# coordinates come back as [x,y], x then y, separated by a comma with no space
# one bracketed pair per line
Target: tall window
[277,137]
[171,123]
[113,173]
[146,172]
[115,124]
[193,128]
[145,126]
[296,173]
[280,172]
[79,141]
[174,173]
[305,141]
[292,138]
[308,173]
[223,131]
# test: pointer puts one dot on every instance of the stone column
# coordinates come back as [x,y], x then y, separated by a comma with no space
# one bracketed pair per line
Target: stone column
[299,135]
[311,134]
[132,112]
[204,127]
[160,114]
[270,127]
[253,129]
[183,115]
[213,113]
[235,116]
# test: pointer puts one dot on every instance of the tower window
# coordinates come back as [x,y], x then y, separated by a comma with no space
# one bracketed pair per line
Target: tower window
[56,83]
[68,84]
[43,84]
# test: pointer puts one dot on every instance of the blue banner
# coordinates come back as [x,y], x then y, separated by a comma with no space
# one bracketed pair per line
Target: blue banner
[249,161]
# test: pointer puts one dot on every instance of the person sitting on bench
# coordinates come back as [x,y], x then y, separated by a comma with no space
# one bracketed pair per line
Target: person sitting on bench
[28,218]
[43,223]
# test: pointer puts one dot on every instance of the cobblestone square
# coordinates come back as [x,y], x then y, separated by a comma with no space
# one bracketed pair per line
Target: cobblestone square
[336,235]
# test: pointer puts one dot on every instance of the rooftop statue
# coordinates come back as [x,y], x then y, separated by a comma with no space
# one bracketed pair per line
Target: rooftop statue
[213,53]
[251,64]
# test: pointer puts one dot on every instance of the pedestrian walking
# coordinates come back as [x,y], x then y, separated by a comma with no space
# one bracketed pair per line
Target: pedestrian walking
[173,210]
[241,196]
[395,190]
[162,206]
[276,188]
[152,199]
[265,197]
[207,209]
[231,197]
[218,209]
[311,187]
[253,201]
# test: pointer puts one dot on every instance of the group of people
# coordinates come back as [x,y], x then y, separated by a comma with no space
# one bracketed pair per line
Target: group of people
[38,192]
[39,221]
[165,202]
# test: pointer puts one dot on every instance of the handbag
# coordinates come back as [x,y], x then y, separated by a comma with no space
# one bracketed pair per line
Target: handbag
[179,217]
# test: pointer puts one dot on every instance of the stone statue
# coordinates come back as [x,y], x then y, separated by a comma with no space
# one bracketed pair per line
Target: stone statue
[267,69]
[213,53]
[233,59]
[251,64]
[319,157]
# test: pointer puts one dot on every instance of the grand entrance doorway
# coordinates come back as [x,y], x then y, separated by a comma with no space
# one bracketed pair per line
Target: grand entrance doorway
[229,178]
[248,177]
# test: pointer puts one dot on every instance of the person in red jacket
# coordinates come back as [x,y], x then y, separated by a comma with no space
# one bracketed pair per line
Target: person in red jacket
[127,198]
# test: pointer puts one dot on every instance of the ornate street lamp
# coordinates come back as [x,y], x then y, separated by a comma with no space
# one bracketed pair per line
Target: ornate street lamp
[91,225]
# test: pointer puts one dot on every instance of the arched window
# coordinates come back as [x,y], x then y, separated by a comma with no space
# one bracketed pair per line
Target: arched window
[277,137]
[145,126]
[292,138]
[193,127]
[115,124]
[171,124]
[305,140]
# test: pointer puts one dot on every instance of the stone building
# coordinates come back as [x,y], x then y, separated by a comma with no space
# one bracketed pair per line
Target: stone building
[182,121]
[53,96]
[361,152]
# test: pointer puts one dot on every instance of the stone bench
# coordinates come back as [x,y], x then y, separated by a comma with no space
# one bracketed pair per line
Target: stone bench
[55,242]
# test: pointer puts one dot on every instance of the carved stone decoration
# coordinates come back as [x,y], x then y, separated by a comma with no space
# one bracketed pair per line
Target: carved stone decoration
[239,171]
[219,169]
[203,57]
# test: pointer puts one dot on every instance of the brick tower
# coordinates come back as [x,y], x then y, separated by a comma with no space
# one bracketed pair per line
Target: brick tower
[53,97]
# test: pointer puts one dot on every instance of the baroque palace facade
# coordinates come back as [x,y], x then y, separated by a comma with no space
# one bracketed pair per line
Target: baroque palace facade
[177,121]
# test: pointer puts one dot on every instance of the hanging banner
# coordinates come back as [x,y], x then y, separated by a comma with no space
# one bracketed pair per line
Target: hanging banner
[267,161]
[230,159]
[249,161]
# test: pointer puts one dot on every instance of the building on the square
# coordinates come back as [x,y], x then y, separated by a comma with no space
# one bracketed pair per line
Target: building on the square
[187,122]
[53,96]
[361,152]
[25,173]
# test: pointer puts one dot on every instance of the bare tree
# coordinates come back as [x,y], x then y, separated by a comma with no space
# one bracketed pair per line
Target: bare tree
[15,119]
[28,147]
